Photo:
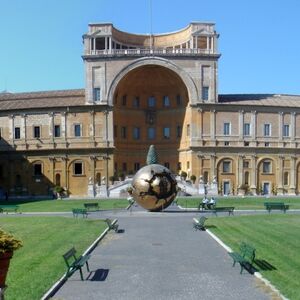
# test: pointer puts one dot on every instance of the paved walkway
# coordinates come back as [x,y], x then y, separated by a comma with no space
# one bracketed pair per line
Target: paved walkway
[160,256]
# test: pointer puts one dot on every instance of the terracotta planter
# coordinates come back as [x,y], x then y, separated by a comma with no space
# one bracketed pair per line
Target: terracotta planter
[4,264]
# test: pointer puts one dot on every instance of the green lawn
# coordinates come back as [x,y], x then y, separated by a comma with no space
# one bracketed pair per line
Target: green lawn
[65,205]
[276,238]
[39,263]
[241,203]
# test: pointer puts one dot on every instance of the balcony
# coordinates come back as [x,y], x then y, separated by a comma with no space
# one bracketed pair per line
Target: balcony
[150,52]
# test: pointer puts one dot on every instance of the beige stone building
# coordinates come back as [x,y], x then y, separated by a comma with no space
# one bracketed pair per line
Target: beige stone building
[142,90]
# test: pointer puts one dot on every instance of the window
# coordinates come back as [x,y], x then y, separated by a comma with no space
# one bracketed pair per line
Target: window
[226,129]
[151,133]
[247,129]
[246,144]
[167,165]
[166,101]
[166,132]
[226,143]
[124,167]
[187,165]
[78,168]
[267,144]
[136,166]
[57,130]
[124,100]
[286,178]
[178,131]
[205,93]
[226,166]
[37,169]
[286,130]
[266,167]
[246,164]
[136,133]
[36,132]
[96,94]
[136,102]
[115,131]
[17,133]
[178,100]
[151,102]
[123,132]
[77,130]
[179,166]
[267,129]
[247,178]
[188,129]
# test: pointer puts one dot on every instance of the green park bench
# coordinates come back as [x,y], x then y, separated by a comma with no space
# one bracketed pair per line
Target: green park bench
[276,205]
[228,209]
[112,225]
[199,223]
[245,256]
[73,263]
[9,208]
[91,206]
[79,211]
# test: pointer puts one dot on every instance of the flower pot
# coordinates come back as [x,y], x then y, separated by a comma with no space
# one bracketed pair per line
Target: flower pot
[4,264]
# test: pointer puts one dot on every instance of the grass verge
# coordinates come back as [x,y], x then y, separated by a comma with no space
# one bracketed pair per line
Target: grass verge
[39,263]
[276,238]
[239,202]
[65,205]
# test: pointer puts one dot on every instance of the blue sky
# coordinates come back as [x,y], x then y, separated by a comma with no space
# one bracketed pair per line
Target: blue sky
[41,40]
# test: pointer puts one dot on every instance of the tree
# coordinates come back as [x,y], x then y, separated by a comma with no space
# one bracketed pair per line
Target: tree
[152,157]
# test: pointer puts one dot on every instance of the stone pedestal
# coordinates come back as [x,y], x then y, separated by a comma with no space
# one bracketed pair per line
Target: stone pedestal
[102,191]
[213,189]
[91,190]
[201,189]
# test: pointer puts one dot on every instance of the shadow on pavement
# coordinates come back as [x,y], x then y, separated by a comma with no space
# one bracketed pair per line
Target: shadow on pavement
[98,275]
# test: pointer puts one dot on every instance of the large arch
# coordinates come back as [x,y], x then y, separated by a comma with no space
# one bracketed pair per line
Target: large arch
[157,61]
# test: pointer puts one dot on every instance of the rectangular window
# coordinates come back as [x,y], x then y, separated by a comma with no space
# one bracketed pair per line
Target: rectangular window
[96,94]
[267,129]
[17,133]
[226,167]
[151,102]
[178,100]
[56,130]
[115,131]
[286,130]
[187,165]
[136,133]
[246,129]
[246,164]
[166,101]
[36,132]
[246,144]
[78,168]
[226,143]
[166,132]
[151,133]
[136,166]
[124,167]
[226,129]
[266,167]
[124,100]
[179,166]
[77,130]
[205,93]
[123,132]
[188,129]
[136,102]
[178,131]
[37,169]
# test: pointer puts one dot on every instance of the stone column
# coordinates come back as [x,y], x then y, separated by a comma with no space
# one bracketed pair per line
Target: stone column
[212,167]
[52,169]
[24,129]
[64,125]
[279,171]
[66,173]
[241,125]
[200,131]
[253,174]
[213,126]
[11,127]
[51,126]
[253,125]
[92,125]
[292,188]
[239,172]
[293,125]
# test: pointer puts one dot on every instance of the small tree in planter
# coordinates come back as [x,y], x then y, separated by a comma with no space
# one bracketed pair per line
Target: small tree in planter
[112,179]
[8,244]
[193,178]
[59,190]
[183,175]
[121,176]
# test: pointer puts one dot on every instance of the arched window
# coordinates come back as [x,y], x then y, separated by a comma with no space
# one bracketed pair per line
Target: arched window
[98,178]
[57,179]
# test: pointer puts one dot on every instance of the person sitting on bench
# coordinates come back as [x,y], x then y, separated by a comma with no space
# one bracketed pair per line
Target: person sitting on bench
[211,203]
[205,202]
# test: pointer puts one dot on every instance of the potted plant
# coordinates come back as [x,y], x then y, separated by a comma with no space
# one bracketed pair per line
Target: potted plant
[59,190]
[183,175]
[121,176]
[193,178]
[8,244]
